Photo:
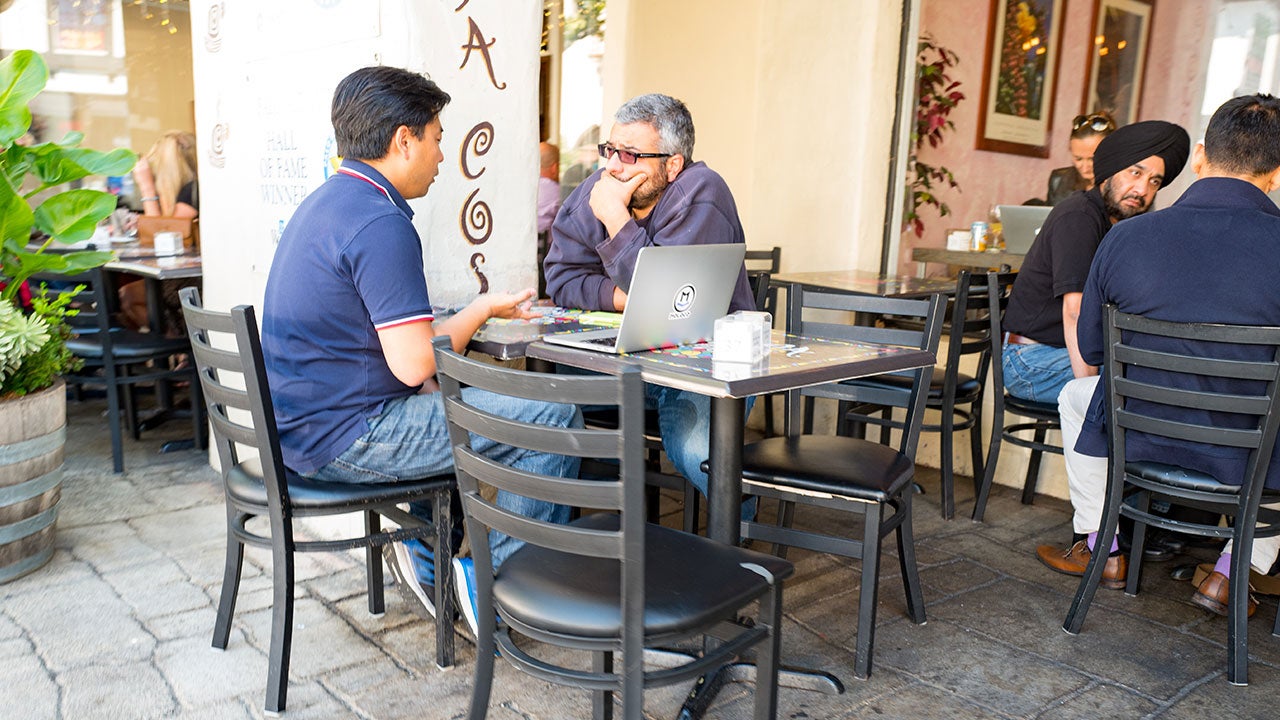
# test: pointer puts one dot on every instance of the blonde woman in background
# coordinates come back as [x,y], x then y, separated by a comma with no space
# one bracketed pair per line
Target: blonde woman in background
[166,180]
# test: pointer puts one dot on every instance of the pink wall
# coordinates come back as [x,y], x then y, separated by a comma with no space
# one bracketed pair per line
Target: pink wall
[1172,91]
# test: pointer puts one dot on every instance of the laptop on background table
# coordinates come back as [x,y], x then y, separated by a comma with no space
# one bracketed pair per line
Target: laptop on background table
[1020,223]
[677,294]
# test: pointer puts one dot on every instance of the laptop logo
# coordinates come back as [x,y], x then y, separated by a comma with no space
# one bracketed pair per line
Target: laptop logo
[682,302]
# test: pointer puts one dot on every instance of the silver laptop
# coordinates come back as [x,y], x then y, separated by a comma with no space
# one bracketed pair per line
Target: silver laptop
[1020,223]
[677,293]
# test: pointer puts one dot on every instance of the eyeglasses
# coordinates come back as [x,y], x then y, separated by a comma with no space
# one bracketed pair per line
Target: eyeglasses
[1096,122]
[626,156]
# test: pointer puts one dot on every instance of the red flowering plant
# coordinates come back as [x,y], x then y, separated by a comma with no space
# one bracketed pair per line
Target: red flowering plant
[936,97]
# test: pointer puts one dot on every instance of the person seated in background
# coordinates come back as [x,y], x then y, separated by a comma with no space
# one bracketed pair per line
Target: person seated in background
[166,180]
[1086,132]
[548,185]
[1149,266]
[649,192]
[1040,353]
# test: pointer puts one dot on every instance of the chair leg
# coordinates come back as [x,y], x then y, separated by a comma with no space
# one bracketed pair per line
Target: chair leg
[946,449]
[442,517]
[768,415]
[652,504]
[198,417]
[1238,607]
[988,469]
[230,587]
[692,500]
[907,559]
[786,518]
[602,700]
[975,443]
[373,564]
[1098,561]
[281,626]
[868,595]
[484,654]
[767,658]
[1138,542]
[1033,470]
[113,421]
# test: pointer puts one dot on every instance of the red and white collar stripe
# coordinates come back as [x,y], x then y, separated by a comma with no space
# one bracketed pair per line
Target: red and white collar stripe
[357,174]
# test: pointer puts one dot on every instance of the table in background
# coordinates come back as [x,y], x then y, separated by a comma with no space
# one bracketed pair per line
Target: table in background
[508,339]
[966,258]
[863,282]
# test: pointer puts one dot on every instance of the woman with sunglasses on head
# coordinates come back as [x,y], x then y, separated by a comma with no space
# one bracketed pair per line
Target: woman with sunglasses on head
[1086,132]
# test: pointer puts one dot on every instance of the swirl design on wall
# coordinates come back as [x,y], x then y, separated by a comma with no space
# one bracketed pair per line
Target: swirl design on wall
[217,145]
[477,142]
[213,33]
[477,260]
[476,219]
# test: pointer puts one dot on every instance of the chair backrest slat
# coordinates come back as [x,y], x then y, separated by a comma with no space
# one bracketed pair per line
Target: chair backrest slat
[562,538]
[1210,367]
[582,443]
[927,314]
[566,491]
[546,387]
[1219,402]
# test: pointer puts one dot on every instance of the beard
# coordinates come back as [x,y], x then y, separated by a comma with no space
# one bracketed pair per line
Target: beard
[649,192]
[1112,200]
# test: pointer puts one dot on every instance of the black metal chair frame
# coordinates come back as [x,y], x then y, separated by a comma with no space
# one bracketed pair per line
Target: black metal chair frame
[258,486]
[766,296]
[657,598]
[1259,419]
[1040,418]
[968,333]
[846,473]
[125,359]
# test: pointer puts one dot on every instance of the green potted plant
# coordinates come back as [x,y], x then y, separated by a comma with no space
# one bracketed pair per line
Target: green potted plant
[937,95]
[33,334]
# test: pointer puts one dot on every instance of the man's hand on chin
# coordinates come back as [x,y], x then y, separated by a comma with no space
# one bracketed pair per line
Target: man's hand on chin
[610,198]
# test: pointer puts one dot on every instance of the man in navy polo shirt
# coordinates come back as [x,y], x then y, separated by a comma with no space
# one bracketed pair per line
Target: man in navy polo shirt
[1212,257]
[347,322]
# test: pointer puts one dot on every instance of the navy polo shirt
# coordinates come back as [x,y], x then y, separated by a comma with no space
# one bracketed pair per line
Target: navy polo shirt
[1213,256]
[348,264]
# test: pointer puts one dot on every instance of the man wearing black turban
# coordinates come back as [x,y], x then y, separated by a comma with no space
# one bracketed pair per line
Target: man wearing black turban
[1212,257]
[1040,353]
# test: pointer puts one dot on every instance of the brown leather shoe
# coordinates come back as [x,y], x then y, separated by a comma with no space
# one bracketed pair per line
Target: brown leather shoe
[1075,559]
[1213,593]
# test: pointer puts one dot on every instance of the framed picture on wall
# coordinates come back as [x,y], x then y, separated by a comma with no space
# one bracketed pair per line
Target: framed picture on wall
[1021,71]
[1118,58]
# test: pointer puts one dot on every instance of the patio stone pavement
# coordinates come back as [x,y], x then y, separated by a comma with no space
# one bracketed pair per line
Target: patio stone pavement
[118,625]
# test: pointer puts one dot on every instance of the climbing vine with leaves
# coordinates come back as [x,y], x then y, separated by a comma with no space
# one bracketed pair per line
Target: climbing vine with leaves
[937,95]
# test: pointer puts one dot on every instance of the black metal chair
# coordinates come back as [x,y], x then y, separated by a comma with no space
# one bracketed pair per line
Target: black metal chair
[762,265]
[1206,404]
[608,583]
[845,473]
[1032,417]
[259,487]
[119,360]
[957,396]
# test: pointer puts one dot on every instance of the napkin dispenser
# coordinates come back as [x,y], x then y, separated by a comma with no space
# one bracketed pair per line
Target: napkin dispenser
[742,337]
[169,243]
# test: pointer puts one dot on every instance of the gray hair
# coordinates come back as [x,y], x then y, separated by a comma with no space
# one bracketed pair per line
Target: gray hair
[665,114]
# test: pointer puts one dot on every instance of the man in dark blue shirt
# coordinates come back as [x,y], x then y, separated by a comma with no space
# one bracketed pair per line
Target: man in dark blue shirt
[347,322]
[1213,256]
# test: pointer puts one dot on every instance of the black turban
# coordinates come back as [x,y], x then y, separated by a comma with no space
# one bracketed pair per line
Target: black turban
[1134,143]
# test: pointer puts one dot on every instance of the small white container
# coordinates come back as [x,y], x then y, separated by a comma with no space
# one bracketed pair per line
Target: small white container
[169,243]
[743,337]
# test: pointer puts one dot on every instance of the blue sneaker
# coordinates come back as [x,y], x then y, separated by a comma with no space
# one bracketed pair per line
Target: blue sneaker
[412,564]
[464,586]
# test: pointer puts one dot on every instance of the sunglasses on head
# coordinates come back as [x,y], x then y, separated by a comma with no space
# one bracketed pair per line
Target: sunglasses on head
[1096,122]
[626,157]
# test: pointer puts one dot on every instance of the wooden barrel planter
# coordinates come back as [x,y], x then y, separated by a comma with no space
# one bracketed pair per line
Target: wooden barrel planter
[32,435]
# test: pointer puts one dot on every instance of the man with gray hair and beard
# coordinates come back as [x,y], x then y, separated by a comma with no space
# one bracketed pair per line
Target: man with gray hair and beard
[649,192]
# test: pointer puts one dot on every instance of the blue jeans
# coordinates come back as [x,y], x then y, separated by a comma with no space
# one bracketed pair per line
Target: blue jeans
[1036,372]
[410,440]
[684,419]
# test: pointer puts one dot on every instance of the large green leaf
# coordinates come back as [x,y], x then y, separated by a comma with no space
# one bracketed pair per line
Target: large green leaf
[56,164]
[22,76]
[20,264]
[73,215]
[15,216]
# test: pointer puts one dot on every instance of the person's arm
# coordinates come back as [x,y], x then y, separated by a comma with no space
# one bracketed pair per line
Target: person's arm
[146,182]
[1070,320]
[407,347]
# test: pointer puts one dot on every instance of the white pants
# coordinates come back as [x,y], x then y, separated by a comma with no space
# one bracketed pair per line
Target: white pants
[1087,475]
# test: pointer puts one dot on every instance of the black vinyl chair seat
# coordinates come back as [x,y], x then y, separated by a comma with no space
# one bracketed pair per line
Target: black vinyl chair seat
[847,467]
[245,486]
[690,583]
[1185,479]
[1031,408]
[966,385]
[126,344]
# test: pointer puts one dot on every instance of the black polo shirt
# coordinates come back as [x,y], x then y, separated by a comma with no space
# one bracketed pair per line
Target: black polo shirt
[1057,264]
